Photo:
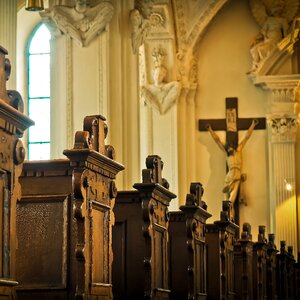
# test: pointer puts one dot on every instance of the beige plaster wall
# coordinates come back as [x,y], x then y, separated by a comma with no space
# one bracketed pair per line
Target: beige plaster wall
[223,61]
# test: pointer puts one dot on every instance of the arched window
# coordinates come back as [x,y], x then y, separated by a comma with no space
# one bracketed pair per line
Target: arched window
[39,93]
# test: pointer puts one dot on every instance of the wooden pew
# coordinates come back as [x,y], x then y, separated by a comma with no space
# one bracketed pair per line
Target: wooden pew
[140,237]
[13,123]
[187,247]
[221,238]
[64,221]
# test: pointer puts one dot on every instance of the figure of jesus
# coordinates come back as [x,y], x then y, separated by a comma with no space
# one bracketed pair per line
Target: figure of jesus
[234,162]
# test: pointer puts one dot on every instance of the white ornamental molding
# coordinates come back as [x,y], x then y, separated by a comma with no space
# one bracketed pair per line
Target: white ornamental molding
[283,128]
[283,95]
[284,92]
[81,21]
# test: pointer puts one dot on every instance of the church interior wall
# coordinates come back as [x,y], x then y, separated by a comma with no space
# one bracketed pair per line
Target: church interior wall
[223,61]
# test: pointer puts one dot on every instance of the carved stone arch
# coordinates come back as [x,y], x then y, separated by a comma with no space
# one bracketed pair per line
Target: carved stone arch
[282,61]
[191,21]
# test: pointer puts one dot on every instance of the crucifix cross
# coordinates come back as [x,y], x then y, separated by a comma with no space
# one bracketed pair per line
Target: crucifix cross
[232,123]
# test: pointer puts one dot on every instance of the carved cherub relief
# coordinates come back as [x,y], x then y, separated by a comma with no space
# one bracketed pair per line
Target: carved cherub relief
[81,21]
[274,17]
[140,24]
[161,95]
[140,28]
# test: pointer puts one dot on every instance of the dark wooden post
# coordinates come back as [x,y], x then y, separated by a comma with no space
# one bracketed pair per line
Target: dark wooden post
[297,278]
[94,190]
[282,276]
[243,257]
[140,237]
[291,273]
[12,153]
[221,238]
[187,237]
[260,265]
[271,268]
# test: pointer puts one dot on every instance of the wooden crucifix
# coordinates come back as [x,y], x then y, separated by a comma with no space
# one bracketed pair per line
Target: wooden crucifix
[232,124]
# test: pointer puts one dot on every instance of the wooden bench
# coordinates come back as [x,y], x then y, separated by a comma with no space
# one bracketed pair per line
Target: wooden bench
[221,238]
[140,237]
[64,221]
[187,246]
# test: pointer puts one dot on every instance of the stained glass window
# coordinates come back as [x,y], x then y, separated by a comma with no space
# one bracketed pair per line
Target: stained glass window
[39,93]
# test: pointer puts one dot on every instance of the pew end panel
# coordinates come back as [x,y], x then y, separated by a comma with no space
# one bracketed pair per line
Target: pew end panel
[44,221]
[128,246]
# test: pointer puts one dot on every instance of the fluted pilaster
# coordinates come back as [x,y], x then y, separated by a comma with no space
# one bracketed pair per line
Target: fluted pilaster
[282,129]
[283,156]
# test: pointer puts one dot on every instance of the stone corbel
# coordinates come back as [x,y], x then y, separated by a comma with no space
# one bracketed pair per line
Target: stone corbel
[81,21]
[187,69]
[160,94]
[283,128]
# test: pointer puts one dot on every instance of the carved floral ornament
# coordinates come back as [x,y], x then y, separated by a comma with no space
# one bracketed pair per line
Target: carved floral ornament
[143,20]
[283,128]
[81,21]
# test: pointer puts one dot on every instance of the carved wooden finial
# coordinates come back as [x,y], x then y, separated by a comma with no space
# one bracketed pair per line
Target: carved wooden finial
[290,251]
[4,74]
[271,241]
[195,196]
[94,135]
[282,247]
[261,234]
[152,174]
[226,211]
[11,97]
[246,234]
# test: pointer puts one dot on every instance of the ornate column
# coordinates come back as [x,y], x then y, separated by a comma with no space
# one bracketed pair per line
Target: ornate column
[282,131]
[8,31]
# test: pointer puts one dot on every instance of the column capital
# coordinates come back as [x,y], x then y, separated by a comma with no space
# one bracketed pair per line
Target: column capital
[283,127]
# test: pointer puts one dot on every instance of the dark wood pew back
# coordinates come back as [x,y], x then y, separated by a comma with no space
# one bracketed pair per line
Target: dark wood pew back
[187,247]
[141,237]
[220,238]
[13,123]
[65,221]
